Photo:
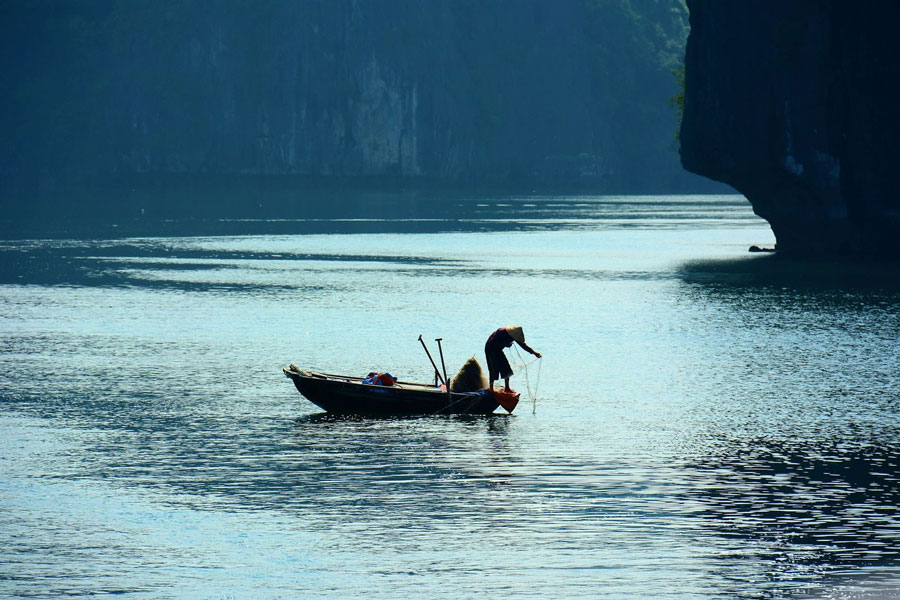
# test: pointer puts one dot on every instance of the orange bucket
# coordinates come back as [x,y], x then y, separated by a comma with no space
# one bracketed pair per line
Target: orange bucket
[507,400]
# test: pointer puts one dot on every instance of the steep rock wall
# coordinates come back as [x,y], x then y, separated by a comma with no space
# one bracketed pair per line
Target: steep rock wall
[794,105]
[533,91]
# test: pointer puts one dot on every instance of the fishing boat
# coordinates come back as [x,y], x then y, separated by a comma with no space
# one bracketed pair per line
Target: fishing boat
[353,395]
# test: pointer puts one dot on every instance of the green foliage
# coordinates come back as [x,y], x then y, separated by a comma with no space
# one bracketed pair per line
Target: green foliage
[636,45]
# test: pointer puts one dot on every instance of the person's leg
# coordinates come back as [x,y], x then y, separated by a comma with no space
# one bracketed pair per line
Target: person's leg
[493,372]
[507,384]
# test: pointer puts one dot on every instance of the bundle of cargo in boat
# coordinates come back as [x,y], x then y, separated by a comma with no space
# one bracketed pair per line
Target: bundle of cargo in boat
[470,378]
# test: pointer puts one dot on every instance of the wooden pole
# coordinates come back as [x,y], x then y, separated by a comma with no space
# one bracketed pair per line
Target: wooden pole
[436,372]
[443,366]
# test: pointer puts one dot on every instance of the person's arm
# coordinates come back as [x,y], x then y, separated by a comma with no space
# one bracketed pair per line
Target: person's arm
[528,348]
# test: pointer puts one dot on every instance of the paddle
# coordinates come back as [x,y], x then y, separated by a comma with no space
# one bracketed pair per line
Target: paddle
[443,365]
[436,372]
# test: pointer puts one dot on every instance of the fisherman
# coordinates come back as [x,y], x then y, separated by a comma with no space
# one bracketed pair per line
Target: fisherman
[498,366]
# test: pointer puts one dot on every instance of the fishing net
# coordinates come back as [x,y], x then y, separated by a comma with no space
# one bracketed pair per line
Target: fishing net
[521,365]
[470,378]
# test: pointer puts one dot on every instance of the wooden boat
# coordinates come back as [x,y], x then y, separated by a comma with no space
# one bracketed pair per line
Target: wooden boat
[346,394]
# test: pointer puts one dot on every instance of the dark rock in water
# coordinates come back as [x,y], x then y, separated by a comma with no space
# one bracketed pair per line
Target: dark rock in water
[792,103]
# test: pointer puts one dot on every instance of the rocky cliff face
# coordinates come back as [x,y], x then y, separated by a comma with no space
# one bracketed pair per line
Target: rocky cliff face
[794,104]
[553,91]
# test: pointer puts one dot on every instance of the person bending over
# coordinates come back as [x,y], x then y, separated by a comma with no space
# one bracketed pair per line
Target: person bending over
[498,366]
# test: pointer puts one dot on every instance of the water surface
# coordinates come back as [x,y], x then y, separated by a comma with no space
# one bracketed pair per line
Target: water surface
[708,423]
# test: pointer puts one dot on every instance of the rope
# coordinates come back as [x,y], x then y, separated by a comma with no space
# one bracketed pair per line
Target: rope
[468,396]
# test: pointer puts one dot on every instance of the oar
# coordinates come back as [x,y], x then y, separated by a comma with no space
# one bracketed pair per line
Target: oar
[436,372]
[443,365]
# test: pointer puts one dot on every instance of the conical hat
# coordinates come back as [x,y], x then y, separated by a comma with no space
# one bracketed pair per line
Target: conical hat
[515,331]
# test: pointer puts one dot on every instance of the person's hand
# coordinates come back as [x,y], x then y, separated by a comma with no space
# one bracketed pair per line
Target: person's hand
[538,354]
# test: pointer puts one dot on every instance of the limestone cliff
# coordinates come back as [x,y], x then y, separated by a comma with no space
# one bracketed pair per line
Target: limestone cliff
[505,91]
[794,105]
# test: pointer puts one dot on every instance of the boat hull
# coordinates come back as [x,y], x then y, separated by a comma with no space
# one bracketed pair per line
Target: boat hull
[348,395]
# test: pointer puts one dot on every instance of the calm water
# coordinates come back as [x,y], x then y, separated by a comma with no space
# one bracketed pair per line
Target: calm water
[708,423]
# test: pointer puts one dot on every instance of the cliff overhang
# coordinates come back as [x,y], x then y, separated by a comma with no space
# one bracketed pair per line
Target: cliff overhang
[791,103]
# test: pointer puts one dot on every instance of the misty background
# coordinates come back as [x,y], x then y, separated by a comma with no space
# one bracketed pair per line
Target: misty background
[108,103]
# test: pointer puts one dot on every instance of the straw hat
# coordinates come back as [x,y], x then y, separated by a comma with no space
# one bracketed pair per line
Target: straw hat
[515,331]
